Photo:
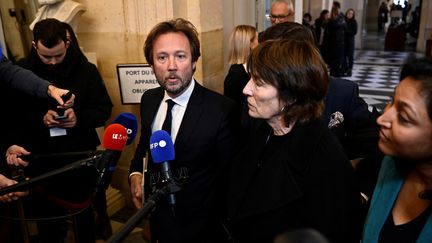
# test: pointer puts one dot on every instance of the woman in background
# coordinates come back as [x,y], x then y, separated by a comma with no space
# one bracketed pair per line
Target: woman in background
[333,44]
[243,39]
[350,32]
[320,24]
[401,206]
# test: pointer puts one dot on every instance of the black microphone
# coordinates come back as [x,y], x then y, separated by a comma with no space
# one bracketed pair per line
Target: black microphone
[130,122]
[114,140]
[31,157]
[162,151]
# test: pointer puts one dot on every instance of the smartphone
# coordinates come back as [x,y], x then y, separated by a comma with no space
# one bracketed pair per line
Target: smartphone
[66,96]
[58,118]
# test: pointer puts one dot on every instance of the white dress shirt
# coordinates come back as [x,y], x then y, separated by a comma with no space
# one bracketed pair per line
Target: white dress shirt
[177,111]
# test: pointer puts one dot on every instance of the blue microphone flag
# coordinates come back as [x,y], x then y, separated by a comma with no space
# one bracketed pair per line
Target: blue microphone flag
[161,147]
[130,122]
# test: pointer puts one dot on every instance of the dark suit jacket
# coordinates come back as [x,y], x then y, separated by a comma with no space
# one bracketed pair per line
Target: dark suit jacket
[301,180]
[343,96]
[359,131]
[204,145]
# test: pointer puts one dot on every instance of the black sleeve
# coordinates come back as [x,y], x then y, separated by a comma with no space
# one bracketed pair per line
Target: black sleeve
[98,105]
[15,77]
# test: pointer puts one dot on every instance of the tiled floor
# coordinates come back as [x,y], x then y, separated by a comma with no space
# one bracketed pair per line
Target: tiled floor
[377,71]
[377,74]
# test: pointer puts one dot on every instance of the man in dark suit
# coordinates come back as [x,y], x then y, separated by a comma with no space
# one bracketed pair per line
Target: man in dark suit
[203,131]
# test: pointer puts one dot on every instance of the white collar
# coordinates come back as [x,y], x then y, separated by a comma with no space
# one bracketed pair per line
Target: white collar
[183,99]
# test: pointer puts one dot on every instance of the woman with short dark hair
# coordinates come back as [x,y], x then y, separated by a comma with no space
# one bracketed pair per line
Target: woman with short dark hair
[293,172]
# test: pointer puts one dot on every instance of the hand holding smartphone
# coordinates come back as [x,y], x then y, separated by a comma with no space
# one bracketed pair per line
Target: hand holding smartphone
[61,115]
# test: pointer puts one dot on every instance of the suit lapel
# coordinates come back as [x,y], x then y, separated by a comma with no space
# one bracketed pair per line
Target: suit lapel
[151,106]
[192,115]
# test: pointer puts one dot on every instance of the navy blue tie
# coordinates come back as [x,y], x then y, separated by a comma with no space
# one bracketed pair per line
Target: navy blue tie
[166,126]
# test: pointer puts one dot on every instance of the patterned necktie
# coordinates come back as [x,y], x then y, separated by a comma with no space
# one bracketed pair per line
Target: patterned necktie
[166,126]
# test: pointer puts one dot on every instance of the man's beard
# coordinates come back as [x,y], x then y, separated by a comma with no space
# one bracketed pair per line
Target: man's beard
[183,83]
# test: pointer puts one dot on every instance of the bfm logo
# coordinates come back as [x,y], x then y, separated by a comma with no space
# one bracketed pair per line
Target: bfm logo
[161,143]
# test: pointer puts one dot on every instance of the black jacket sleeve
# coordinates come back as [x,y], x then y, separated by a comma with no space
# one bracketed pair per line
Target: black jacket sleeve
[15,77]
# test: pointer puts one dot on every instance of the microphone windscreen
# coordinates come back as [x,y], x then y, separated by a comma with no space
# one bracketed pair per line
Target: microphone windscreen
[161,147]
[130,122]
[114,137]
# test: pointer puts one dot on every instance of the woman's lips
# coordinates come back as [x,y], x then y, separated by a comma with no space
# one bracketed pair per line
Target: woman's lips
[383,136]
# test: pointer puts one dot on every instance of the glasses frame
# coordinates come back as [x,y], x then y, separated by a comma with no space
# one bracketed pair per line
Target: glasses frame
[279,17]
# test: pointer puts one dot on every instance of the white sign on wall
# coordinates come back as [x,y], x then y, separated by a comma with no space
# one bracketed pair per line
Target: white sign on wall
[134,80]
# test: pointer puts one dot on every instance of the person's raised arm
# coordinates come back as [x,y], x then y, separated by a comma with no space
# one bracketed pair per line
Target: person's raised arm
[15,77]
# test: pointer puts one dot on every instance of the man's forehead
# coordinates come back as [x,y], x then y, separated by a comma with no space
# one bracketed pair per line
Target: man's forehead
[279,8]
[172,40]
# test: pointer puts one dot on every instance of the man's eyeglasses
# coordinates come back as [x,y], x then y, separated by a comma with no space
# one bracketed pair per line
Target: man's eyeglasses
[279,17]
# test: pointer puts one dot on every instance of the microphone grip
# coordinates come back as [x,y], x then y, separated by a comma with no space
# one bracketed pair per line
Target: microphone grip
[172,200]
[30,157]
[166,170]
[27,157]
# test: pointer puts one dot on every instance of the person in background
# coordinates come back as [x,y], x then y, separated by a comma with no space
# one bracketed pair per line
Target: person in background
[102,222]
[203,129]
[320,24]
[382,16]
[336,4]
[15,77]
[293,172]
[350,32]
[281,11]
[46,130]
[334,42]
[243,39]
[401,206]
[307,20]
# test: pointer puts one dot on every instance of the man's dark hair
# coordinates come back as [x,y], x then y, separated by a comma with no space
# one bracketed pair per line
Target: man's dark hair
[49,32]
[178,25]
[288,31]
